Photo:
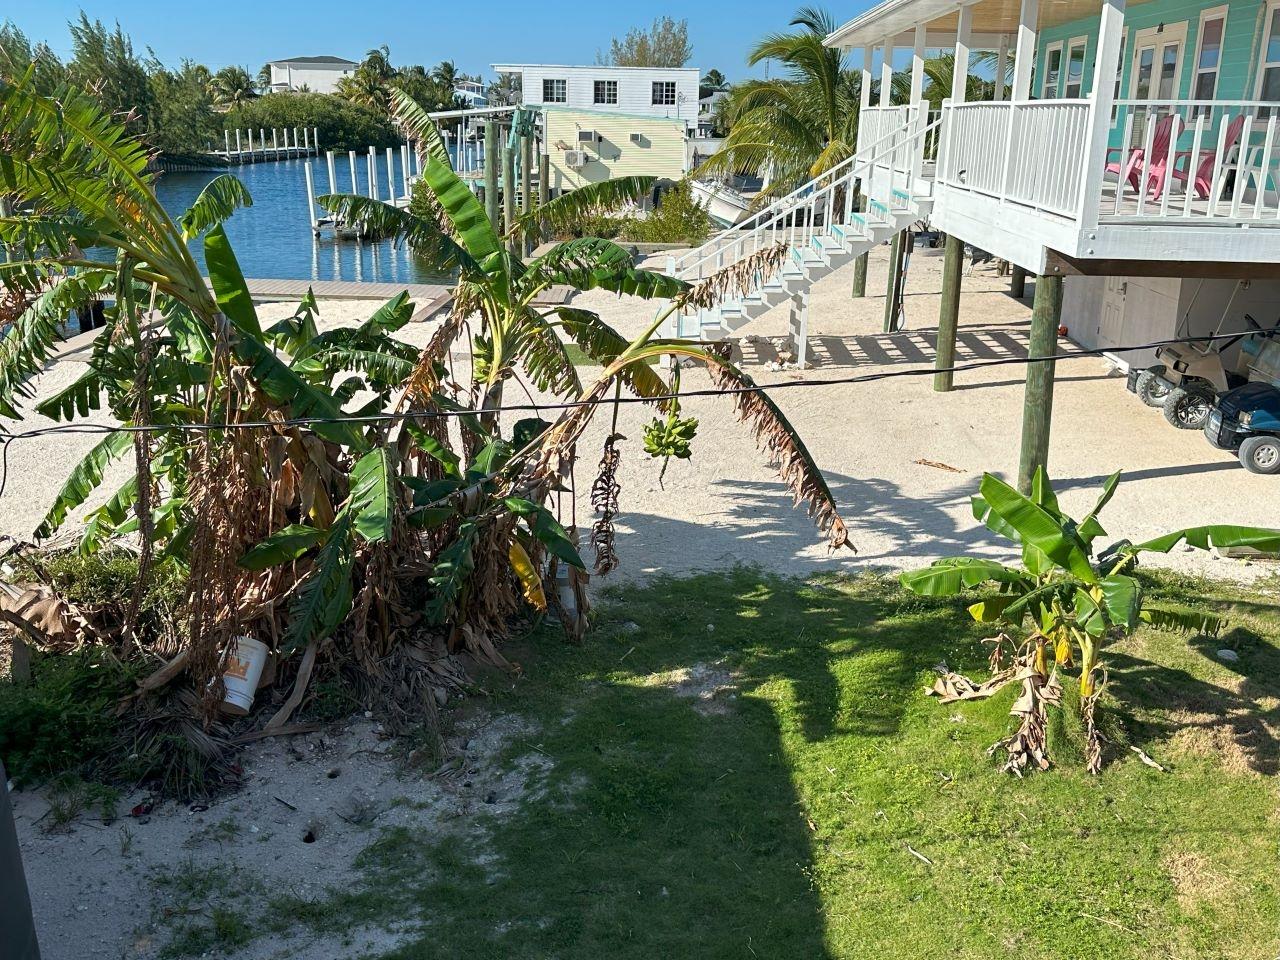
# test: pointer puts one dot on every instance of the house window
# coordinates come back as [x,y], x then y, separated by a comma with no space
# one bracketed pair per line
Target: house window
[555,91]
[1269,78]
[1075,67]
[664,93]
[1204,83]
[606,91]
[1052,71]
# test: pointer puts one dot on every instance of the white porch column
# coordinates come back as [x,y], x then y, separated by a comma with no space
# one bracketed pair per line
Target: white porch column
[886,73]
[1002,65]
[960,71]
[917,64]
[1106,65]
[1024,54]
[864,94]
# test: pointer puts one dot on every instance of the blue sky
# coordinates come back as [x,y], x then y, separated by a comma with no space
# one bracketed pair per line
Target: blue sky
[250,32]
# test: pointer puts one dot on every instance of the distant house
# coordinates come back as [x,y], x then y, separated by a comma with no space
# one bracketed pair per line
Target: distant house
[316,74]
[589,146]
[472,91]
[671,93]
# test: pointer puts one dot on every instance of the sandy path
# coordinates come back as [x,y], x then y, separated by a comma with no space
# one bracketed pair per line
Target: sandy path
[726,505]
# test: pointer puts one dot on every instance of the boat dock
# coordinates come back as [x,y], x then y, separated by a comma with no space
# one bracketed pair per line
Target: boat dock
[239,146]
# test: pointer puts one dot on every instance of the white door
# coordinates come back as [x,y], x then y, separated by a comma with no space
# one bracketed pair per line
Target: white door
[1155,71]
[1111,323]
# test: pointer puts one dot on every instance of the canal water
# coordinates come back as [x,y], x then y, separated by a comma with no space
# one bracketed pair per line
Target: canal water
[273,239]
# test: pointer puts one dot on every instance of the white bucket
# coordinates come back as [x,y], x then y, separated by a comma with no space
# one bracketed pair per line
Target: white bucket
[245,661]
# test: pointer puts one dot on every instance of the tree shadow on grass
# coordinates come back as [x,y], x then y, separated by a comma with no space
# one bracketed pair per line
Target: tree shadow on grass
[1237,722]
[669,824]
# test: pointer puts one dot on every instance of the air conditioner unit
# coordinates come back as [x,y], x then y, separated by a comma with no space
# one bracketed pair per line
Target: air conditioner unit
[575,159]
[637,138]
[588,136]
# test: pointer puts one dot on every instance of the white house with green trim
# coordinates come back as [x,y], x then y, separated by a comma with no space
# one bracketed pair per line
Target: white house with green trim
[1131,150]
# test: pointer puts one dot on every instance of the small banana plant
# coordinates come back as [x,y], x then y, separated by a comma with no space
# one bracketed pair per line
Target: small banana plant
[1066,601]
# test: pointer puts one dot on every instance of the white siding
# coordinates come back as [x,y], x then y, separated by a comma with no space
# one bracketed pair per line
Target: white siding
[318,79]
[635,88]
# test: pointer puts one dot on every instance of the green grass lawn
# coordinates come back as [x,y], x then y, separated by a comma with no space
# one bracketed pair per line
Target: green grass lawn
[779,819]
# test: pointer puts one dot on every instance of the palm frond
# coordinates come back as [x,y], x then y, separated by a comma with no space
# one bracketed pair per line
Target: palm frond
[570,209]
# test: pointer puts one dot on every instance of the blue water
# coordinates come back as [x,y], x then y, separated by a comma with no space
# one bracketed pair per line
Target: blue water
[273,239]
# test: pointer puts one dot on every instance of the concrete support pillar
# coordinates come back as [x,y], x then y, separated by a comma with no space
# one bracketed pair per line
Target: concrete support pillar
[491,151]
[864,91]
[1017,282]
[948,314]
[1037,410]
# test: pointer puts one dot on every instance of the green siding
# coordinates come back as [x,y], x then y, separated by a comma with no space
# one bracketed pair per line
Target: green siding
[1237,77]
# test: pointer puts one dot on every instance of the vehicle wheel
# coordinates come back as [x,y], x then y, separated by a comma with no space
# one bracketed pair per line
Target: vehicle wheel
[1188,409]
[1151,389]
[1261,454]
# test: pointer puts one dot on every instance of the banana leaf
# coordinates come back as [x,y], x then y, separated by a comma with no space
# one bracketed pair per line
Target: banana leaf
[467,215]
[229,288]
[372,501]
[324,599]
[527,574]
[1038,527]
[1090,529]
[570,209]
[547,529]
[221,197]
[1214,535]
[286,544]
[603,344]
[84,479]
[591,263]
[946,578]
[1182,621]
[102,523]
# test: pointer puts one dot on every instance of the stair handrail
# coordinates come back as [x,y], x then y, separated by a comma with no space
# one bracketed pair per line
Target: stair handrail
[779,212]
[847,161]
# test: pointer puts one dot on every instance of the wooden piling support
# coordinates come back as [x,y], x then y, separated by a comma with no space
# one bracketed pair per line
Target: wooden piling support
[509,193]
[948,313]
[895,267]
[526,189]
[491,171]
[1017,282]
[860,275]
[1037,410]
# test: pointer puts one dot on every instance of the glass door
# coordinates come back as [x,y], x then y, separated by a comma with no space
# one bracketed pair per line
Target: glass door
[1157,57]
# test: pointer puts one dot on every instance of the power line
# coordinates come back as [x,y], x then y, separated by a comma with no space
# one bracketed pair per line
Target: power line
[101,429]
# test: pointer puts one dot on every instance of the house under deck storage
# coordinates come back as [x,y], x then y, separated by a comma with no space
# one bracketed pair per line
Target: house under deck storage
[1133,149]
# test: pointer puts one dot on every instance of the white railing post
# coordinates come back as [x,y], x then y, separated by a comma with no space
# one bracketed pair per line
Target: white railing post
[1106,64]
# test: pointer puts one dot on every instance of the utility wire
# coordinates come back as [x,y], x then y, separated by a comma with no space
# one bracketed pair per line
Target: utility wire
[7,438]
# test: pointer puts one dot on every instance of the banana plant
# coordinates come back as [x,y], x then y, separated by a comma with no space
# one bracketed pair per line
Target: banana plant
[1068,599]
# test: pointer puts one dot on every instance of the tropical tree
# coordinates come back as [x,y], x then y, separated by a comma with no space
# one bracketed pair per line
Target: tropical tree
[664,44]
[712,82]
[796,126]
[1066,602]
[504,91]
[232,86]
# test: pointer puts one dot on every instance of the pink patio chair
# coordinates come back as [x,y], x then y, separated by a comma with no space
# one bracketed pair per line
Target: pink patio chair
[1137,170]
[1203,182]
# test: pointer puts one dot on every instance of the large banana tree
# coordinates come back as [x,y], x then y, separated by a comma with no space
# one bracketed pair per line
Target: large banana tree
[322,488]
[1067,601]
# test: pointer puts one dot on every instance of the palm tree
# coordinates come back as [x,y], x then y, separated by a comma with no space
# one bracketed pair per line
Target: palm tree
[231,87]
[797,126]
[445,74]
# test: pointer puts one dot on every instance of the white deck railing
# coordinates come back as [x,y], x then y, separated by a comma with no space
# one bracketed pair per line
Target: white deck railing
[1191,161]
[1030,154]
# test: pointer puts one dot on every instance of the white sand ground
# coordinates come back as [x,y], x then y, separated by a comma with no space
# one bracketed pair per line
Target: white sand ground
[90,883]
[726,506]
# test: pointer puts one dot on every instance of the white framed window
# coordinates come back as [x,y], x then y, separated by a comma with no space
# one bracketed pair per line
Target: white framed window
[1208,61]
[606,91]
[664,93]
[1073,79]
[1269,61]
[555,91]
[1052,71]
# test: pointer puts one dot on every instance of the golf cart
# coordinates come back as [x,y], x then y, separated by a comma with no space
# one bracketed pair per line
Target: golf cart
[1247,419]
[1189,376]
